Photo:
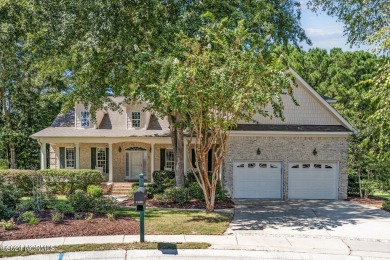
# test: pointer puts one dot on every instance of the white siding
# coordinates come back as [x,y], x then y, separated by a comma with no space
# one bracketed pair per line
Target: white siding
[309,112]
[136,108]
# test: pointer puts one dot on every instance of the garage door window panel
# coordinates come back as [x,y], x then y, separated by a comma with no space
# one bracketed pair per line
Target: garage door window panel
[251,165]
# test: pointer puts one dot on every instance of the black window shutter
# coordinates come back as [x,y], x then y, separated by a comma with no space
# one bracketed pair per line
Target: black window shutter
[107,161]
[162,159]
[210,160]
[62,157]
[93,158]
[74,156]
[193,158]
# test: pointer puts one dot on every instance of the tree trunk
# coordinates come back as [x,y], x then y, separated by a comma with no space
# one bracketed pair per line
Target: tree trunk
[360,184]
[177,138]
[13,155]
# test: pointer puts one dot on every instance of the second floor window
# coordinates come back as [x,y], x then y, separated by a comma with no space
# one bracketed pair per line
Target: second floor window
[136,119]
[84,118]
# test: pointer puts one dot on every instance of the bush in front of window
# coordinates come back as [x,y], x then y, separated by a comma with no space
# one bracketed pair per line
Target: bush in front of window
[161,176]
[176,195]
[195,190]
[67,181]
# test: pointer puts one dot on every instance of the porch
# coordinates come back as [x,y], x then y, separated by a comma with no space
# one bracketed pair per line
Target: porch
[120,162]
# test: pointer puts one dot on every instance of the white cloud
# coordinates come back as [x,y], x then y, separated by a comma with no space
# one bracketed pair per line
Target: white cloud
[327,32]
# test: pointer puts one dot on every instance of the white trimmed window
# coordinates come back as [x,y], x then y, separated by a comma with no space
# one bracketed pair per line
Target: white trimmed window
[101,158]
[69,158]
[136,119]
[84,118]
[169,159]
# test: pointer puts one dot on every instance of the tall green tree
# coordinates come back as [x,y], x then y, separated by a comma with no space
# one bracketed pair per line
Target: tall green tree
[215,81]
[368,22]
[28,101]
[116,47]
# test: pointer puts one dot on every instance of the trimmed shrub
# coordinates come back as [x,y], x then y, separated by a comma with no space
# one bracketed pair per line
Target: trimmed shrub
[195,191]
[153,189]
[95,191]
[162,181]
[8,225]
[29,217]
[80,201]
[57,216]
[64,207]
[105,205]
[220,193]
[176,195]
[22,179]
[26,205]
[9,195]
[386,205]
[60,181]
[133,189]
[66,181]
[5,212]
[49,201]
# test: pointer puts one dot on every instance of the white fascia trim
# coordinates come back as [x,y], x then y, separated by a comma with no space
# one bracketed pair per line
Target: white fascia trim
[287,133]
[323,102]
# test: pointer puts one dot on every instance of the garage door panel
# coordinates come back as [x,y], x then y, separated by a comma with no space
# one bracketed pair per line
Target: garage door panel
[257,180]
[314,180]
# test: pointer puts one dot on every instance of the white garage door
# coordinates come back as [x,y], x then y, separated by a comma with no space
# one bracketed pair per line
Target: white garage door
[314,180]
[257,180]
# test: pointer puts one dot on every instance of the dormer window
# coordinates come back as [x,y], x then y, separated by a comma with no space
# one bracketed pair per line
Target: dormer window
[84,118]
[136,119]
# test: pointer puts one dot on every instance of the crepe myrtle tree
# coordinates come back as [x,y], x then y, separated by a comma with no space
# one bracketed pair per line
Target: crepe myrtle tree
[217,80]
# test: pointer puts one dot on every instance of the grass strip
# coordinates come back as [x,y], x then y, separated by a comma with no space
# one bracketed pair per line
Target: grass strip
[179,222]
[104,247]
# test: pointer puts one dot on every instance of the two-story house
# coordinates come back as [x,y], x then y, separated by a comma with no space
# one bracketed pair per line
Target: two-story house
[302,157]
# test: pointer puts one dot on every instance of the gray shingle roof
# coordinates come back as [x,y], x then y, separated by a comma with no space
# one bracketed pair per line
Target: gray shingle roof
[64,120]
[74,132]
[292,128]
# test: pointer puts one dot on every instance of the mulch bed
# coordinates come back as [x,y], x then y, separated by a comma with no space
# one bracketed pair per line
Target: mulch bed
[99,226]
[371,201]
[193,204]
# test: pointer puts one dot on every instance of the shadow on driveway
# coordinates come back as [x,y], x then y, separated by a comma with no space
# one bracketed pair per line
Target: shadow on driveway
[300,215]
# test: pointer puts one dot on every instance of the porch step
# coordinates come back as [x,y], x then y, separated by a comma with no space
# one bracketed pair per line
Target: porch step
[121,188]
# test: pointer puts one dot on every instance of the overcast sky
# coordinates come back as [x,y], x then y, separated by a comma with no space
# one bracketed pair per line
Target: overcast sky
[324,31]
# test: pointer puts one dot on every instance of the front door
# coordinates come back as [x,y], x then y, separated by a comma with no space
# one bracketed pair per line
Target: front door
[135,161]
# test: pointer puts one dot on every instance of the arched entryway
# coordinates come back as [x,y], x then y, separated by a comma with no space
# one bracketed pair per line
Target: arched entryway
[135,162]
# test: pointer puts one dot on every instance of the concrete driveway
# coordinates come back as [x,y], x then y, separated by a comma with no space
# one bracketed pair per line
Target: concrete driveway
[310,218]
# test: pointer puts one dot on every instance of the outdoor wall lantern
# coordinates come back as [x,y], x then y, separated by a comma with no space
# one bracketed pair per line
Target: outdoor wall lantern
[258,151]
[120,149]
[315,151]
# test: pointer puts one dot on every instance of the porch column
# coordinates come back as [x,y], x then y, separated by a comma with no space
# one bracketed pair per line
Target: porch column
[77,155]
[185,157]
[152,161]
[43,156]
[110,164]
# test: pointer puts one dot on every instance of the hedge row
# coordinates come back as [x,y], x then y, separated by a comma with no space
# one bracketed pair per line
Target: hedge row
[63,181]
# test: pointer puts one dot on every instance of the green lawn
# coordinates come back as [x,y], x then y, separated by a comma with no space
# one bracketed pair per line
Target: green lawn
[177,222]
[102,247]
[382,194]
